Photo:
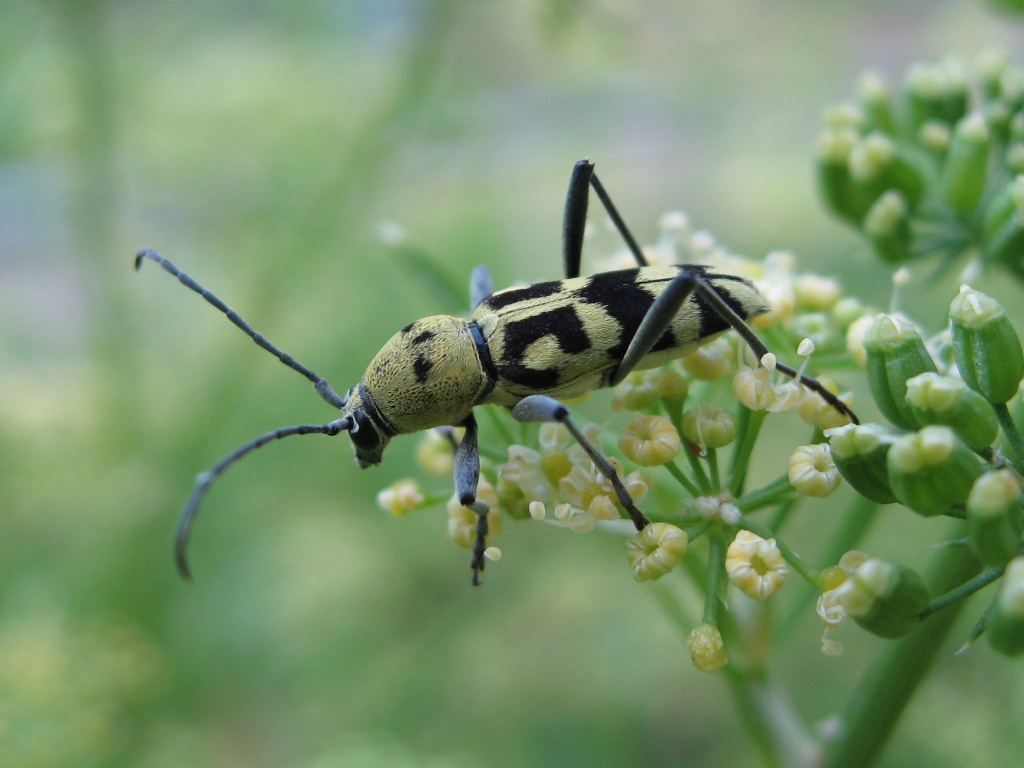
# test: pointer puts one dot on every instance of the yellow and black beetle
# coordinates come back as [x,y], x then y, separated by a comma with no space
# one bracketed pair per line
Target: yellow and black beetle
[521,348]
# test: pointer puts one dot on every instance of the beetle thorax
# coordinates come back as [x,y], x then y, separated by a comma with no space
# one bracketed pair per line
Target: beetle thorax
[427,375]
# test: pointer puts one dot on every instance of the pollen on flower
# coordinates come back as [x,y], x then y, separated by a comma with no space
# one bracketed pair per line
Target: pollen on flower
[707,648]
[755,565]
[404,496]
[537,510]
[656,550]
[812,471]
[650,441]
[492,553]
[462,521]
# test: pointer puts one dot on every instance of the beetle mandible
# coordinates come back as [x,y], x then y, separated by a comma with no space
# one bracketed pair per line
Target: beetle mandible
[522,348]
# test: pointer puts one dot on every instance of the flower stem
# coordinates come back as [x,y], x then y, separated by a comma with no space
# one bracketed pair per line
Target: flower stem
[743,453]
[777,491]
[716,567]
[964,590]
[683,480]
[1012,433]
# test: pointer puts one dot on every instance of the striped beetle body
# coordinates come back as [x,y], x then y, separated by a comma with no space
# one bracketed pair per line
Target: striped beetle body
[522,348]
[562,339]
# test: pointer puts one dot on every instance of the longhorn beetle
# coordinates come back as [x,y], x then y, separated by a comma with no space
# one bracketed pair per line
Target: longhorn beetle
[522,348]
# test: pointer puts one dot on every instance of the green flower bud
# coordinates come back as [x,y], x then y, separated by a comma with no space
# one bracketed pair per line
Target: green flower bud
[859,452]
[895,353]
[876,102]
[994,517]
[878,164]
[842,196]
[931,470]
[935,136]
[987,351]
[1003,224]
[989,65]
[888,225]
[998,116]
[966,168]
[1011,87]
[925,88]
[884,598]
[846,310]
[936,399]
[1015,157]
[841,116]
[1005,629]
[709,426]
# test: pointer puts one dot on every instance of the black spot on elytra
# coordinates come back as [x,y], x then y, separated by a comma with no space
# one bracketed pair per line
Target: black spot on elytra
[562,323]
[514,295]
[623,297]
[711,321]
[421,367]
[425,336]
[408,327]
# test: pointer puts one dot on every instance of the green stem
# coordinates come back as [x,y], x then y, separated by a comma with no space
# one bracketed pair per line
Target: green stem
[698,473]
[778,490]
[716,567]
[742,458]
[885,690]
[966,589]
[712,459]
[1012,433]
[683,480]
[499,425]
[798,564]
[782,513]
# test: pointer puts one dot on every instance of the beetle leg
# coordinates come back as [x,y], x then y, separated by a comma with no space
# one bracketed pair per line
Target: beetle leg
[467,477]
[544,408]
[574,219]
[480,286]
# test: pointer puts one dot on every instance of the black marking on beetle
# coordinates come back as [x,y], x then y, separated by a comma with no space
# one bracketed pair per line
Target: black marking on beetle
[622,297]
[711,322]
[503,299]
[563,324]
[421,367]
[425,336]
[408,328]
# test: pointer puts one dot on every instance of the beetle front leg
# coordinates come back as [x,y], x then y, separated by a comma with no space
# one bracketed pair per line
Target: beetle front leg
[544,408]
[467,477]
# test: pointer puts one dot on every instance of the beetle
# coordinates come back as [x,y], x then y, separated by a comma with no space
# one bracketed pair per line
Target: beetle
[523,348]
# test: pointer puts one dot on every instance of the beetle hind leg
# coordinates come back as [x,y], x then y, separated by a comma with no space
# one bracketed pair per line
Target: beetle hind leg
[544,408]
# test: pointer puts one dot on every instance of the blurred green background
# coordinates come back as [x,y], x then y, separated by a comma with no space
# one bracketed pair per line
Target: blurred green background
[258,145]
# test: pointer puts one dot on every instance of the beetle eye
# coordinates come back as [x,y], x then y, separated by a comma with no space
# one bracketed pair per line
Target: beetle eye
[365,436]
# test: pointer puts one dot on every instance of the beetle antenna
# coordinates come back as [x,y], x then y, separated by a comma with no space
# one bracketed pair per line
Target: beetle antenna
[206,479]
[319,382]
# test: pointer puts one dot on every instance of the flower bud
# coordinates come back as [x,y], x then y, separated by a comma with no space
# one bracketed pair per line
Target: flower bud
[965,170]
[994,517]
[462,521]
[638,391]
[887,223]
[937,399]
[650,441]
[987,351]
[859,452]
[708,426]
[404,496]
[755,565]
[1005,629]
[936,137]
[707,648]
[711,361]
[841,195]
[884,598]
[1003,224]
[812,471]
[895,353]
[814,292]
[877,164]
[876,101]
[656,550]
[931,470]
